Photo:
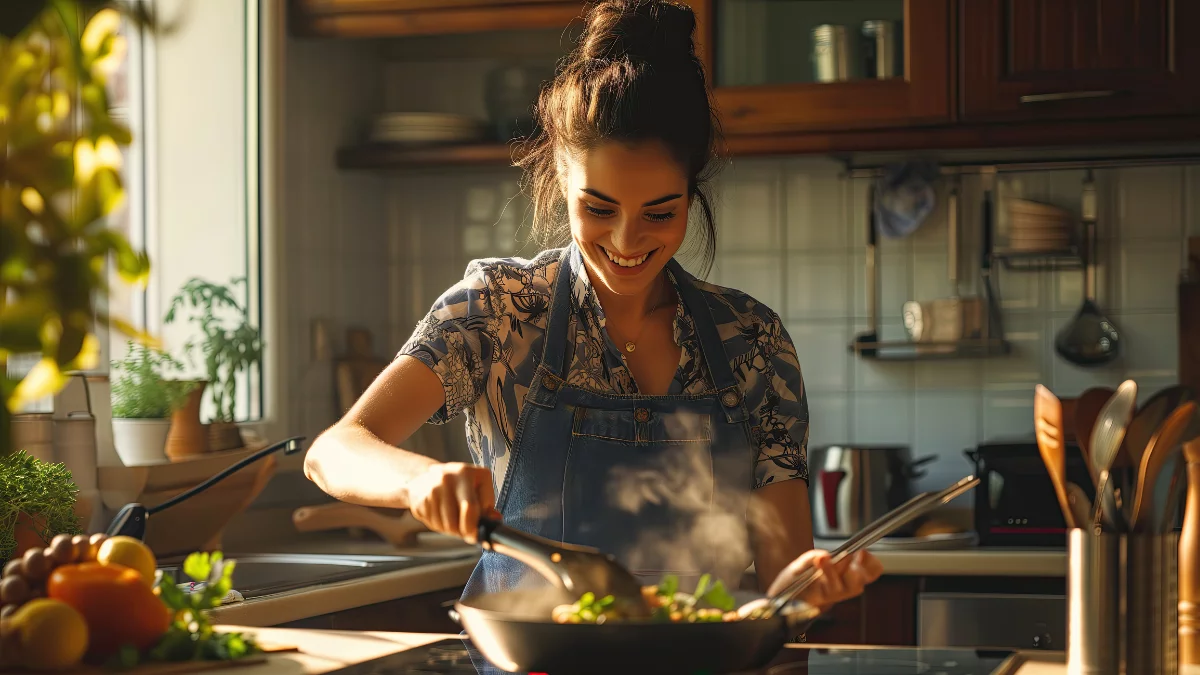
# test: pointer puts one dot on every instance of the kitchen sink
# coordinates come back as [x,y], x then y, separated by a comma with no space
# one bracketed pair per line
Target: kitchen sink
[259,574]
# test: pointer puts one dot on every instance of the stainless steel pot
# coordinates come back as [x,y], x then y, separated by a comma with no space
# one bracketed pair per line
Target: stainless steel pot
[851,486]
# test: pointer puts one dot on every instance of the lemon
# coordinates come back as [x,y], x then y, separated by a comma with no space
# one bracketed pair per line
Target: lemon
[131,553]
[53,636]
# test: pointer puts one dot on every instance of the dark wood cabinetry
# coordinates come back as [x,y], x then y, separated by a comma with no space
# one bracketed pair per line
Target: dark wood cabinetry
[1078,59]
[885,614]
[385,18]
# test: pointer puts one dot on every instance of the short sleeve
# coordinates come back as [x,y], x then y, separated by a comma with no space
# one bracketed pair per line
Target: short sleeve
[457,340]
[780,419]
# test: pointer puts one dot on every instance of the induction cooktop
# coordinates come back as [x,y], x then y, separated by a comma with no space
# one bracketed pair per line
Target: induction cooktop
[458,656]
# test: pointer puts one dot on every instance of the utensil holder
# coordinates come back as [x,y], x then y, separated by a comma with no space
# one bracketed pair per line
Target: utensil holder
[1122,603]
[1151,626]
[1093,603]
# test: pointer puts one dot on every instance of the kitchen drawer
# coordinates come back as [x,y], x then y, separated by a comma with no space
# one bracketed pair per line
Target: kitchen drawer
[1004,621]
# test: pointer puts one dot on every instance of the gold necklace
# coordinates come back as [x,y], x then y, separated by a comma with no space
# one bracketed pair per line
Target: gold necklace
[631,345]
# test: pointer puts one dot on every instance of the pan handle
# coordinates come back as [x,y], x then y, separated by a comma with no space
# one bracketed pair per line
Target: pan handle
[539,553]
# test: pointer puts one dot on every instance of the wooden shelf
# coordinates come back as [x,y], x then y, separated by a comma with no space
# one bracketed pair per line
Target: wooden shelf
[1062,135]
[384,156]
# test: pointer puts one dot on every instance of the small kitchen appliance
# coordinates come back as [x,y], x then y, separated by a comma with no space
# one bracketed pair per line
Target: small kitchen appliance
[852,486]
[1015,504]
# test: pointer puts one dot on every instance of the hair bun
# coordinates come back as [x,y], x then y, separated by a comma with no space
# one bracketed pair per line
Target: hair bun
[653,31]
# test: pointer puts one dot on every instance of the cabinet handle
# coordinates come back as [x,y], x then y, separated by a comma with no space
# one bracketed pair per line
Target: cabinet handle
[1066,96]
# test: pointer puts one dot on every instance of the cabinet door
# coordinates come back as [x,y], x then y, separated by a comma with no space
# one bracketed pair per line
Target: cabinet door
[1040,59]
[390,18]
[803,65]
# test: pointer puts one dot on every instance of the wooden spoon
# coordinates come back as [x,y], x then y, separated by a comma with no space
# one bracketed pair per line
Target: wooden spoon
[1047,422]
[1087,410]
[1149,418]
[1158,452]
[1106,445]
[1189,562]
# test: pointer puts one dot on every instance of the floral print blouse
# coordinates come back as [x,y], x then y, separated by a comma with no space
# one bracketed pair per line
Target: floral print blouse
[483,338]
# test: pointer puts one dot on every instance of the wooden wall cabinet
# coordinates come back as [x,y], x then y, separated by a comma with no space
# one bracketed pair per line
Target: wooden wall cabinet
[395,18]
[1078,59]
[773,90]
[885,614]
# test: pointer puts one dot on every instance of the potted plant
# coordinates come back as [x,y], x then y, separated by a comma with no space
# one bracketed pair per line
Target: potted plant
[143,401]
[60,176]
[230,346]
[37,501]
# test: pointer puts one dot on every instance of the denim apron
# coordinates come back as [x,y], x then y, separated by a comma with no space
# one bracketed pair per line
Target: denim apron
[660,482]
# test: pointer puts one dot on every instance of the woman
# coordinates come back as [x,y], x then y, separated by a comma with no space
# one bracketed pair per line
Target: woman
[611,398]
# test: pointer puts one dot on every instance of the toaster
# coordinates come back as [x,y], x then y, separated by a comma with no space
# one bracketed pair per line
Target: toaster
[1015,502]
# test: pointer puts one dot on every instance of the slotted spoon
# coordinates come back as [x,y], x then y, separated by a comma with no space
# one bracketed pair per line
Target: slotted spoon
[1106,444]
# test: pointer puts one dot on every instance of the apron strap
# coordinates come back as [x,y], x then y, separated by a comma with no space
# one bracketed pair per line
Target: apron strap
[729,394]
[551,372]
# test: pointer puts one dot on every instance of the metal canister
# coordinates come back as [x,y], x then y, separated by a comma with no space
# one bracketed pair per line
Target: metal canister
[829,54]
[880,53]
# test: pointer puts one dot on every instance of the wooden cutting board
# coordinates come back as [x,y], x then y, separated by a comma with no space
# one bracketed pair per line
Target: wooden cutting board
[177,667]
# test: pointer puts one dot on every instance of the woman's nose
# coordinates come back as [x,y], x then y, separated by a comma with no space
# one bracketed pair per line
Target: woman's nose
[626,233]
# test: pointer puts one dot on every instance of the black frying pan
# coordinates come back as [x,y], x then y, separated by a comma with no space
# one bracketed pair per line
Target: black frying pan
[527,640]
[513,630]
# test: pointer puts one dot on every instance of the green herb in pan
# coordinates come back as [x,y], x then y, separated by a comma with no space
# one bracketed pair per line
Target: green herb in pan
[709,603]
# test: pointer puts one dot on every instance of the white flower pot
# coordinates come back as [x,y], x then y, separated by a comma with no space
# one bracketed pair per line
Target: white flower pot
[141,441]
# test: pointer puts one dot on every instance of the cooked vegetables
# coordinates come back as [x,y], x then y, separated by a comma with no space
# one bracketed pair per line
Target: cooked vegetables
[710,603]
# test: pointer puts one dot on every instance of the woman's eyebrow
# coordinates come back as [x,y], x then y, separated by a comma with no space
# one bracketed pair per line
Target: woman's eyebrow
[653,202]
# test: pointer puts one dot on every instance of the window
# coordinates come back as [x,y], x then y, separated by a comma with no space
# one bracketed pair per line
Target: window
[190,93]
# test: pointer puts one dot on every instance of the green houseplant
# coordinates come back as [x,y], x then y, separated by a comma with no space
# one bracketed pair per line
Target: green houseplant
[229,344]
[143,400]
[60,162]
[37,501]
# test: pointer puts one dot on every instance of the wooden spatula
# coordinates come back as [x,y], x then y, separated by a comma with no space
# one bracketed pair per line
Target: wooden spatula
[1047,422]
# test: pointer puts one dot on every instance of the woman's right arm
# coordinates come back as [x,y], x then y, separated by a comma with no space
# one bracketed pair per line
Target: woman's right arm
[357,459]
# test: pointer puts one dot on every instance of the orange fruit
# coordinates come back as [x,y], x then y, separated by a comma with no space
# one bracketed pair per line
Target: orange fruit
[118,606]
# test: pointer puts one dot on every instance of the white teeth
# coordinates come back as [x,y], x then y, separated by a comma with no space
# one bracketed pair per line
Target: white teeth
[626,262]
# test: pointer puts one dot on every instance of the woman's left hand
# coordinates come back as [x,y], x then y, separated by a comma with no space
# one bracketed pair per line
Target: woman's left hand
[836,582]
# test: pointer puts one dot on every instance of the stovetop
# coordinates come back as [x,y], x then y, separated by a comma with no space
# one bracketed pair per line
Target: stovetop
[458,656]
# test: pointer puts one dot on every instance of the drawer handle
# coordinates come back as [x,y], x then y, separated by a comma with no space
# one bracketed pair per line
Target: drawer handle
[1066,96]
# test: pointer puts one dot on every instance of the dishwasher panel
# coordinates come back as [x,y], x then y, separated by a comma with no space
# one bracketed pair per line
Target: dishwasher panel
[1006,621]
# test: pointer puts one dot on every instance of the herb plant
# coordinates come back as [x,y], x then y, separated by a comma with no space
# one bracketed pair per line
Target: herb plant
[140,391]
[229,346]
[41,490]
[191,636]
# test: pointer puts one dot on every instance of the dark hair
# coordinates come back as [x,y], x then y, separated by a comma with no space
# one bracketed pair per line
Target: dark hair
[633,77]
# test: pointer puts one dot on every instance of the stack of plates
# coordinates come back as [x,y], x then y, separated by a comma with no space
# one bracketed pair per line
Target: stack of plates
[425,128]
[1033,226]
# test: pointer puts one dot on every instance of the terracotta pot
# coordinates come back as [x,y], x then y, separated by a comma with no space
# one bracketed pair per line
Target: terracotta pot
[224,436]
[188,437]
[28,532]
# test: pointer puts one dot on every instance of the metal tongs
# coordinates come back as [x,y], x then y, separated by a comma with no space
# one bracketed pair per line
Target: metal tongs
[885,525]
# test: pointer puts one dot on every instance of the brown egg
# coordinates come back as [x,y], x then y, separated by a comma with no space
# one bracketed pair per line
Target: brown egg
[80,542]
[35,565]
[94,543]
[13,591]
[13,568]
[61,551]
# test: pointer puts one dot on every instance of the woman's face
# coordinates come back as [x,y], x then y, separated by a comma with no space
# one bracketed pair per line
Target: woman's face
[628,206]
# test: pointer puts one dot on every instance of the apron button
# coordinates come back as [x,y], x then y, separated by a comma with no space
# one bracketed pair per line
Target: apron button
[641,415]
[550,383]
[730,399]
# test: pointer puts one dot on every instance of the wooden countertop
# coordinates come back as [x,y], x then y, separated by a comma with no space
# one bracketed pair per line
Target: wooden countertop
[324,651]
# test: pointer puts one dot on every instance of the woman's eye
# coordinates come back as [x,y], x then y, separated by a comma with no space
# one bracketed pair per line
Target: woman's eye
[660,217]
[599,213]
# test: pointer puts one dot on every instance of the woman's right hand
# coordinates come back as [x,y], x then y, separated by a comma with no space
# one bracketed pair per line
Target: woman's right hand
[450,498]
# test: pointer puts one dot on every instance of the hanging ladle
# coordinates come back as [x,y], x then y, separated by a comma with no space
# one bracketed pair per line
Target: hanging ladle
[1090,339]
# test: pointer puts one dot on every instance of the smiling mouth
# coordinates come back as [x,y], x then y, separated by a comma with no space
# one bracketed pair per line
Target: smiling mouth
[622,261]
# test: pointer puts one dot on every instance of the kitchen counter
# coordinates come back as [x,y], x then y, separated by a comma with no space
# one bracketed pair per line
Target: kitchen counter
[329,651]
[973,561]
